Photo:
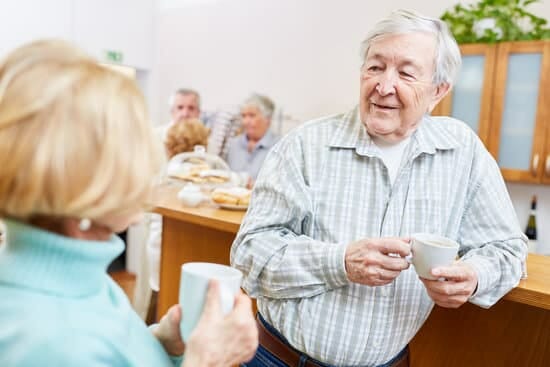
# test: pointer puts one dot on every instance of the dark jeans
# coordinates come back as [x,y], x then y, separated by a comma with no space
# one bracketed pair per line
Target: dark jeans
[264,358]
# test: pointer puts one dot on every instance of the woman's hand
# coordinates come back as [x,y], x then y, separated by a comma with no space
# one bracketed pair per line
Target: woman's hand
[218,340]
[168,332]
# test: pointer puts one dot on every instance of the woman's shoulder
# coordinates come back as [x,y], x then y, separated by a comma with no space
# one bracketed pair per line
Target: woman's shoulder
[61,331]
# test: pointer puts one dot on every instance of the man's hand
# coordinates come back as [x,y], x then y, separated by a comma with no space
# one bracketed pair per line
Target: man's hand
[376,261]
[218,340]
[168,332]
[457,283]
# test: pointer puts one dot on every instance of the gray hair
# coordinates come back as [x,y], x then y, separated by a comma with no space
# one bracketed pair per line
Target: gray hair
[262,103]
[185,92]
[447,58]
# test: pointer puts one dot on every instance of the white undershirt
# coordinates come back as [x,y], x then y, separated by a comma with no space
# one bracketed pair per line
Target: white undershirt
[392,154]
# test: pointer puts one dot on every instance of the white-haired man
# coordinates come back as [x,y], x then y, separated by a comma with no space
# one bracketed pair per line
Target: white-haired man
[324,241]
[185,104]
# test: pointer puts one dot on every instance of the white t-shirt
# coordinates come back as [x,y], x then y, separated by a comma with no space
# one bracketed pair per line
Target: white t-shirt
[392,154]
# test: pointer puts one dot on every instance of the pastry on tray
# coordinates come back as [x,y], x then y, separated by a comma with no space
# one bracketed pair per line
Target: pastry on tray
[231,196]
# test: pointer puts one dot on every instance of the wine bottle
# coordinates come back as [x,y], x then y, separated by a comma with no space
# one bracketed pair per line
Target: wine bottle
[531,230]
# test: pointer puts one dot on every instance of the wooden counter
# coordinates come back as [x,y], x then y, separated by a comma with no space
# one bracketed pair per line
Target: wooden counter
[514,332]
[535,290]
[189,234]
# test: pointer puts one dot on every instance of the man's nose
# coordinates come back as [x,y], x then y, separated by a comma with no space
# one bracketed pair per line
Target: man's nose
[185,113]
[386,84]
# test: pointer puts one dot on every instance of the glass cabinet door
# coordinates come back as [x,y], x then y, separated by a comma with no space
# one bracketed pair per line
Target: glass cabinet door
[466,97]
[470,98]
[518,137]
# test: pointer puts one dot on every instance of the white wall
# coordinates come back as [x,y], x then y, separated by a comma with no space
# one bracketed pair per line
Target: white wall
[125,26]
[304,54]
[26,20]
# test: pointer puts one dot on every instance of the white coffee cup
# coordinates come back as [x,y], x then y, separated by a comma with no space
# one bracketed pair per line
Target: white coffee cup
[194,281]
[429,251]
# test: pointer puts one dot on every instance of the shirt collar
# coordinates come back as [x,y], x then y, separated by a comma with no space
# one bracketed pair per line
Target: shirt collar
[350,133]
[432,135]
[37,259]
[267,141]
[428,137]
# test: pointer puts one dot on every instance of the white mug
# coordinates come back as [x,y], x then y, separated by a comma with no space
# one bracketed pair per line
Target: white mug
[429,251]
[194,281]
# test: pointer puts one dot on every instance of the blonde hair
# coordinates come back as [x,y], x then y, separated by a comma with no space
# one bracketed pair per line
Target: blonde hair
[184,135]
[75,138]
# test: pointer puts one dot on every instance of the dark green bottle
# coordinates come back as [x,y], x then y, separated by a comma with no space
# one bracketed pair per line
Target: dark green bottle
[531,230]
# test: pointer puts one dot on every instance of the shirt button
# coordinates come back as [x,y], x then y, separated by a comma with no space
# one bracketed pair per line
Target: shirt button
[384,292]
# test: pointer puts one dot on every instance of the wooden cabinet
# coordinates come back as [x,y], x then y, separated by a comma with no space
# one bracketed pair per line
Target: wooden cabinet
[503,93]
[470,100]
[520,111]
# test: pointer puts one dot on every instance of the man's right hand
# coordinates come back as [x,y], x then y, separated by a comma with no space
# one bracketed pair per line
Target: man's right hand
[376,261]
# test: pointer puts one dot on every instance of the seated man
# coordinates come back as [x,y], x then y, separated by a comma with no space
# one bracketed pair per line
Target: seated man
[246,152]
[185,104]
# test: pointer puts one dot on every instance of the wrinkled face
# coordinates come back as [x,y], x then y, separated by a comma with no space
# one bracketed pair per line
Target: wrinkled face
[185,106]
[396,85]
[254,122]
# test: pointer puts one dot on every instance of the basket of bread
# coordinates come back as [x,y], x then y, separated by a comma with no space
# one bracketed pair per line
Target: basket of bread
[234,198]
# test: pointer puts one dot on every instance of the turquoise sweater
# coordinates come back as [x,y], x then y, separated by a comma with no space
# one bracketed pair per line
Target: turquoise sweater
[58,306]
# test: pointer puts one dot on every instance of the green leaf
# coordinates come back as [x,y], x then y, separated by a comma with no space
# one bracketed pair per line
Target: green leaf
[511,16]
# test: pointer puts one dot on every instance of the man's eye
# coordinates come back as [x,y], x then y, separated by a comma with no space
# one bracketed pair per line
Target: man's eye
[406,75]
[374,68]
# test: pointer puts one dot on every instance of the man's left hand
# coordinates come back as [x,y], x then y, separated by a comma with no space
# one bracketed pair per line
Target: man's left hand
[455,285]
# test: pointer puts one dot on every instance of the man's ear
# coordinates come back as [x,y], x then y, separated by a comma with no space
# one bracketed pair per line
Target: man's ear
[440,92]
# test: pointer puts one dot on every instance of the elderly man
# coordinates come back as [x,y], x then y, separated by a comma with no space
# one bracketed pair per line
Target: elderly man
[185,104]
[324,242]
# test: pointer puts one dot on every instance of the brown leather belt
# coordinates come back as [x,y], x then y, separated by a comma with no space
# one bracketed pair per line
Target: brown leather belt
[291,357]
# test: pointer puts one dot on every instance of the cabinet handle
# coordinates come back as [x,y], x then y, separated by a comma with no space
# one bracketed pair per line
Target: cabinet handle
[535,164]
[547,165]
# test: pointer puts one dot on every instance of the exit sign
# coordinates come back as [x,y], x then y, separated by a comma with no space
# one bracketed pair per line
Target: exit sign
[114,56]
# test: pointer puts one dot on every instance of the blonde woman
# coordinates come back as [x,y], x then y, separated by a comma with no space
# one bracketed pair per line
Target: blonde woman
[78,156]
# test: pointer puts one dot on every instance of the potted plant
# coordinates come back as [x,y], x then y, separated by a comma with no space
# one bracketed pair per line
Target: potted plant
[490,21]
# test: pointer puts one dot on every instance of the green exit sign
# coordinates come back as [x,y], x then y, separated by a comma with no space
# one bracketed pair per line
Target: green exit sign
[114,56]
